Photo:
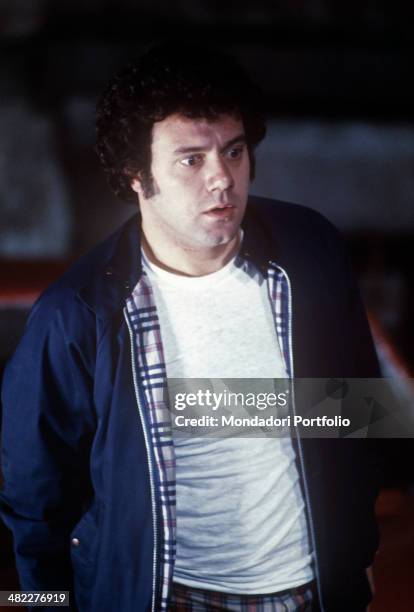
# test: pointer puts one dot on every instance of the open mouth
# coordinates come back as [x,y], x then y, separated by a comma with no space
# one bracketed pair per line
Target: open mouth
[220,211]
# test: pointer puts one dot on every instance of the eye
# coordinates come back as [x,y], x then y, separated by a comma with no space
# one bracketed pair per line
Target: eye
[191,160]
[235,152]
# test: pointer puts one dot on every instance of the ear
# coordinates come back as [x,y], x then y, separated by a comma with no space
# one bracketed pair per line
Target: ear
[136,186]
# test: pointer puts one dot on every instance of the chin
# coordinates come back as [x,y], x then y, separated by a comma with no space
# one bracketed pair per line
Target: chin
[222,238]
[215,236]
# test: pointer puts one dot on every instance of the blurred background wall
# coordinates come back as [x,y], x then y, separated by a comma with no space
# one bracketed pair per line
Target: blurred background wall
[336,76]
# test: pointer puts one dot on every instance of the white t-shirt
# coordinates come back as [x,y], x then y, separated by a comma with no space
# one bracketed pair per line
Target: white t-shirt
[241,525]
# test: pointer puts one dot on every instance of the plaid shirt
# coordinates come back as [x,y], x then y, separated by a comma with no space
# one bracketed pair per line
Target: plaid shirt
[188,599]
[152,380]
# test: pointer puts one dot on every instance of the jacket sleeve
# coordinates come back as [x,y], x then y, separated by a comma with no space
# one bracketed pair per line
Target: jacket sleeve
[47,428]
[364,364]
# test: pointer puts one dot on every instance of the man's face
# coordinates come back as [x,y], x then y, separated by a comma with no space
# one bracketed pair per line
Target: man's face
[201,173]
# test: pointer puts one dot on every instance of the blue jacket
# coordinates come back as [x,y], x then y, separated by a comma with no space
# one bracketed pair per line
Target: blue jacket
[80,493]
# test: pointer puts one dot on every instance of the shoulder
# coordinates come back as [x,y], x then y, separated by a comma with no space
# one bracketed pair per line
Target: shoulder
[60,323]
[279,215]
[63,296]
[298,233]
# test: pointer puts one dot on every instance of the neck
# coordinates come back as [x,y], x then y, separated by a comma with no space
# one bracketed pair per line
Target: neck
[190,262]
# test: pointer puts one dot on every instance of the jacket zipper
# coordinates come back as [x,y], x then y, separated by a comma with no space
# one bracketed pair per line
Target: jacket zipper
[149,459]
[301,460]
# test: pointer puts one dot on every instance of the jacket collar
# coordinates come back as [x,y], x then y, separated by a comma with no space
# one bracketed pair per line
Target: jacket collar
[116,263]
[114,270]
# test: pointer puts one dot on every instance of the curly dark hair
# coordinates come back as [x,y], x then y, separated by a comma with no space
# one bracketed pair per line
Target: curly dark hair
[196,82]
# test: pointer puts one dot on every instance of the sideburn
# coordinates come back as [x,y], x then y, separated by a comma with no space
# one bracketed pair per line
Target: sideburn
[148,184]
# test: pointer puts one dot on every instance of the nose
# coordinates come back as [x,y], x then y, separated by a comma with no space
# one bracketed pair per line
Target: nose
[219,177]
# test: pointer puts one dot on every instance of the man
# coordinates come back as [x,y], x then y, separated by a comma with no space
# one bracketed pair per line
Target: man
[103,498]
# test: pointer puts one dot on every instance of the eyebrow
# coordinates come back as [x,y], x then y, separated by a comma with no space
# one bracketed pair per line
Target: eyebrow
[240,138]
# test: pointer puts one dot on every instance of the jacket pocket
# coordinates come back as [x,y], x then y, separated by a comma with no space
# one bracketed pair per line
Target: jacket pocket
[84,550]
[83,538]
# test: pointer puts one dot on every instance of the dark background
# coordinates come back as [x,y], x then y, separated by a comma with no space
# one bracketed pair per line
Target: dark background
[337,82]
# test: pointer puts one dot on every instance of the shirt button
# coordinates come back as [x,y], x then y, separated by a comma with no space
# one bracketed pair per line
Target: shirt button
[75,542]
